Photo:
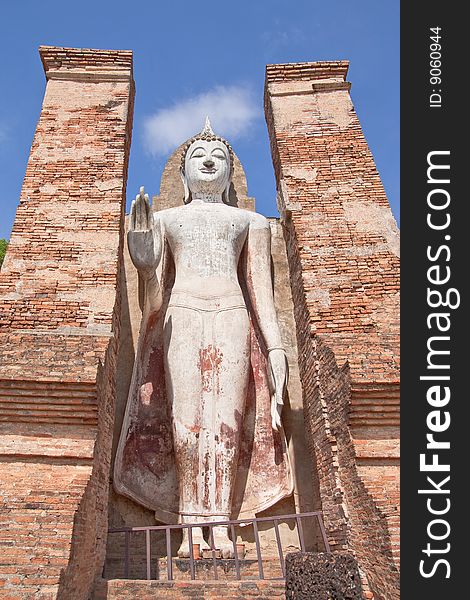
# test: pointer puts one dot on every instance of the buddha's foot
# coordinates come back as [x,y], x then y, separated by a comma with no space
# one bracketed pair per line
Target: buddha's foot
[222,542]
[198,538]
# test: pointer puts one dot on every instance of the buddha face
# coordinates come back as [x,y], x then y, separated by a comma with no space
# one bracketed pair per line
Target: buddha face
[207,167]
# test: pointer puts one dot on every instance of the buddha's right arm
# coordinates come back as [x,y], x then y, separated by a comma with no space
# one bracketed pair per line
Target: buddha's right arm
[150,294]
[153,298]
[144,240]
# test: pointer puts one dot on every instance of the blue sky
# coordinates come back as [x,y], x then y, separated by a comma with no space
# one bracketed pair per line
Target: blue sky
[191,57]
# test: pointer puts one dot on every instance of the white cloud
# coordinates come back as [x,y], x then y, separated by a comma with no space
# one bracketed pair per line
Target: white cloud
[231,109]
[283,36]
[282,43]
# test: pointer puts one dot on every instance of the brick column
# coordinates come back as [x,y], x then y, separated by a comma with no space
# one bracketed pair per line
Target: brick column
[59,323]
[342,245]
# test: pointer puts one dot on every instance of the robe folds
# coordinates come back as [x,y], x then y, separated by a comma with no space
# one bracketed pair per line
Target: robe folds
[145,469]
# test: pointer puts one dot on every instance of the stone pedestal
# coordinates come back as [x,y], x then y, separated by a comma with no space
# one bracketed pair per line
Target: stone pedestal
[316,576]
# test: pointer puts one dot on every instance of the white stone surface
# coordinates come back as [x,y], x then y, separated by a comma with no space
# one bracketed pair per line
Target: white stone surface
[206,328]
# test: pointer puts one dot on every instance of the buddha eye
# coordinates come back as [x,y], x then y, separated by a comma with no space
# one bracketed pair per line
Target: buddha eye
[219,155]
[198,153]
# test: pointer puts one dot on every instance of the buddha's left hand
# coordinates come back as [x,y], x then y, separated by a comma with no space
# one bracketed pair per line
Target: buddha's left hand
[278,376]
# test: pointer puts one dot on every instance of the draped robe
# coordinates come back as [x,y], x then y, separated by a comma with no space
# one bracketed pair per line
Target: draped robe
[145,469]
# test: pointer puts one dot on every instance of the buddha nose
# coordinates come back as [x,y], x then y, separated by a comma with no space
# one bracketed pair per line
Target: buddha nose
[208,163]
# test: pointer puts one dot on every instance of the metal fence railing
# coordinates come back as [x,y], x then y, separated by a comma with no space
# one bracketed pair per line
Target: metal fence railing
[297,519]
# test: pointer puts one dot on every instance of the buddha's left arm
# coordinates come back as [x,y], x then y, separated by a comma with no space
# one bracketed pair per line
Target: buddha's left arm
[258,275]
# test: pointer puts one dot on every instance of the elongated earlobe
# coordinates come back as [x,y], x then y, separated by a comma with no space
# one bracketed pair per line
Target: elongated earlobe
[226,194]
[187,193]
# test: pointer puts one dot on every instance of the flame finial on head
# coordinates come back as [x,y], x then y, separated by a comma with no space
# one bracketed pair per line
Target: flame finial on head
[207,128]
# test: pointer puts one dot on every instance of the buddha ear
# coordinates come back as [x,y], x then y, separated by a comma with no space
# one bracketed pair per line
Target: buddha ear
[187,193]
[226,194]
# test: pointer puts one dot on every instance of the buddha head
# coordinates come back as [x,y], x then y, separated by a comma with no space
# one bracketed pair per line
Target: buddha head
[207,165]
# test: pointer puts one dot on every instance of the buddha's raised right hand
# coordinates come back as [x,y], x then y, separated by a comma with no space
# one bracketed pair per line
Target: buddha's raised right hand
[143,238]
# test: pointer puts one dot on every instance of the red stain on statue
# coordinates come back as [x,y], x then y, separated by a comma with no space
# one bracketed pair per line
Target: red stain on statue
[155,370]
[210,362]
[152,389]
[152,319]
[258,365]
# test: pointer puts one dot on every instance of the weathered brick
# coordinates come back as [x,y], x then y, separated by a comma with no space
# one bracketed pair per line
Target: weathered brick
[201,590]
[342,247]
[59,307]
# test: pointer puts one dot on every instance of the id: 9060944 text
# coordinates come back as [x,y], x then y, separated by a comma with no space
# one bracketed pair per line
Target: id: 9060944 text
[435,67]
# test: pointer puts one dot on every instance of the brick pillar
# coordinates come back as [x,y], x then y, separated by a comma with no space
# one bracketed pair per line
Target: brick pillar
[342,245]
[59,307]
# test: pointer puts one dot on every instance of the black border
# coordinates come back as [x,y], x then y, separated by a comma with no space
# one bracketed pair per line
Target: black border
[425,129]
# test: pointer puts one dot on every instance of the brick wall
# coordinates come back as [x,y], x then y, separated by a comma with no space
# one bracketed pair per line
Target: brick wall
[199,590]
[59,325]
[359,476]
[342,245]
